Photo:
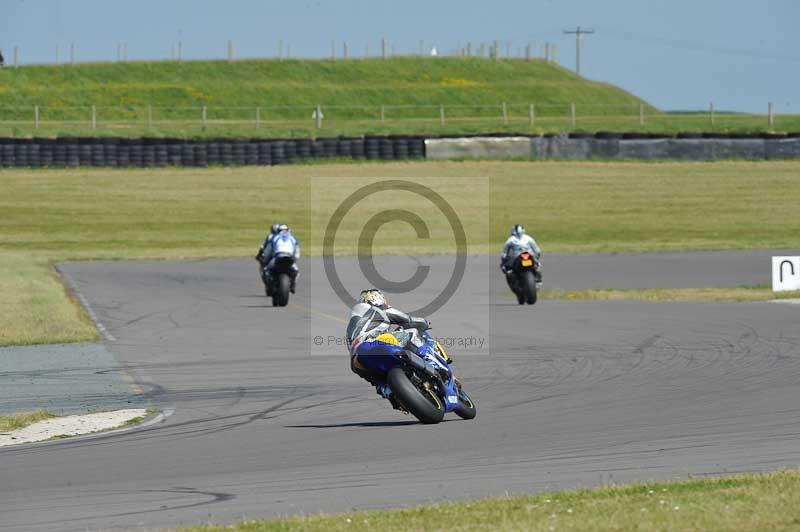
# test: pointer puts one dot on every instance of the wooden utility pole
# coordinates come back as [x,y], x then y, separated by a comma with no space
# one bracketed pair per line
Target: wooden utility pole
[578,32]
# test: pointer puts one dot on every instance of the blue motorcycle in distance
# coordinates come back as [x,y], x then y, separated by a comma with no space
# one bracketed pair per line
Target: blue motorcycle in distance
[422,384]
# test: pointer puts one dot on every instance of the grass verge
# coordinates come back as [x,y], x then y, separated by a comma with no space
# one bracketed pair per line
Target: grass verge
[743,502]
[82,214]
[12,422]
[722,294]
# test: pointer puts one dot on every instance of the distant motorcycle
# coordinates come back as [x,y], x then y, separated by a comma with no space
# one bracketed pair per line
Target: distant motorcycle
[278,275]
[525,277]
[423,384]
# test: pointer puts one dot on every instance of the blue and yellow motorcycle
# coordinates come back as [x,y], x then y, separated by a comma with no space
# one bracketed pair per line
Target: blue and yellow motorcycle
[422,384]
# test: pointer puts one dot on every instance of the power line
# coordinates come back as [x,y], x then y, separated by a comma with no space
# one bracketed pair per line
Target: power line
[578,32]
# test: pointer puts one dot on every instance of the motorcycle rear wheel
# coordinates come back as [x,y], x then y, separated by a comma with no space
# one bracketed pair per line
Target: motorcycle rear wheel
[529,287]
[424,405]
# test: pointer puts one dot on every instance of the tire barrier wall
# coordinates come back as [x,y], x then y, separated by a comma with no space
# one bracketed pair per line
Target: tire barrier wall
[688,147]
[152,152]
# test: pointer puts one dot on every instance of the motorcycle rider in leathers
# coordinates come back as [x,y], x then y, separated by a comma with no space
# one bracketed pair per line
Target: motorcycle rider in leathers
[517,242]
[370,317]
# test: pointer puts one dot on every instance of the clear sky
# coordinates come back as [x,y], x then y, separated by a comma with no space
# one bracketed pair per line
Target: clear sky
[676,54]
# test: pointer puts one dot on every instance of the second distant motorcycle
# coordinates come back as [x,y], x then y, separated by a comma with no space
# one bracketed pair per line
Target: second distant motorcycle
[278,264]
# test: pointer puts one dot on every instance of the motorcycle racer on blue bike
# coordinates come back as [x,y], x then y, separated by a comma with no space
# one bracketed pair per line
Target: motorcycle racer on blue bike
[280,241]
[371,317]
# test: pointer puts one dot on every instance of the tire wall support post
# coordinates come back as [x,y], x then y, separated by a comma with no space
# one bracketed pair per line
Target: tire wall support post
[770,116]
[531,114]
[641,114]
[258,117]
[441,115]
[383,114]
[318,117]
[505,114]
[36,117]
[203,118]
[94,116]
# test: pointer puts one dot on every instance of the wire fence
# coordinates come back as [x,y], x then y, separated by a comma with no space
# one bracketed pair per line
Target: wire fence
[266,118]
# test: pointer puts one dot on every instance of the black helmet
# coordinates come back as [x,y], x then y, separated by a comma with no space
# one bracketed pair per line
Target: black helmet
[517,231]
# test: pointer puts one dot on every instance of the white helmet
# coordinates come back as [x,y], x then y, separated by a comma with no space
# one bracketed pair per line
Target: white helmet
[517,231]
[374,297]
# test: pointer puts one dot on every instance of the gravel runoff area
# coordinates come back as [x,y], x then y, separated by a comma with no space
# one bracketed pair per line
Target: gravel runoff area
[71,426]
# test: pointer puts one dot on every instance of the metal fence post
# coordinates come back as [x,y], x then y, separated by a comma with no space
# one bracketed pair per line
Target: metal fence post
[16,56]
[72,53]
[36,116]
[711,113]
[383,47]
[203,118]
[531,115]
[441,115]
[770,116]
[318,117]
[149,117]
[258,117]
[572,113]
[641,114]
[383,114]
[505,114]
[94,117]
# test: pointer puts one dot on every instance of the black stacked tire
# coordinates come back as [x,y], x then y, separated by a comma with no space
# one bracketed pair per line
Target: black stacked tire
[46,151]
[73,153]
[330,147]
[344,148]
[8,156]
[264,153]
[357,148]
[162,153]
[278,154]
[317,149]
[289,151]
[34,157]
[416,147]
[372,147]
[400,146]
[428,410]
[59,153]
[21,153]
[386,148]
[149,152]
[213,153]
[304,147]
[187,154]
[200,153]
[238,152]
[225,153]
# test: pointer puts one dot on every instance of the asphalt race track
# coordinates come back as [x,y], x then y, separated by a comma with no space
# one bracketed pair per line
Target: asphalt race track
[268,423]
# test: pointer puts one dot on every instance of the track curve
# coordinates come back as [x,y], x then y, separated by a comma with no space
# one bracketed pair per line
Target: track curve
[266,423]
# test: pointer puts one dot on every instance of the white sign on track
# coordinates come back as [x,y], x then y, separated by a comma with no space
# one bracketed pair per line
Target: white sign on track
[785,273]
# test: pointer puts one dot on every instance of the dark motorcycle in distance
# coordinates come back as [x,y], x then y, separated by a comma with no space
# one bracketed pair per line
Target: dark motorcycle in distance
[525,278]
[278,279]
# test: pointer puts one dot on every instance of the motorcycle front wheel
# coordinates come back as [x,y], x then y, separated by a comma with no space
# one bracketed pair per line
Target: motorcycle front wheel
[466,408]
[422,403]
[280,297]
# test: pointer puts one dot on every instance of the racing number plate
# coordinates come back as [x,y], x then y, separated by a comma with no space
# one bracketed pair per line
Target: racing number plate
[527,262]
